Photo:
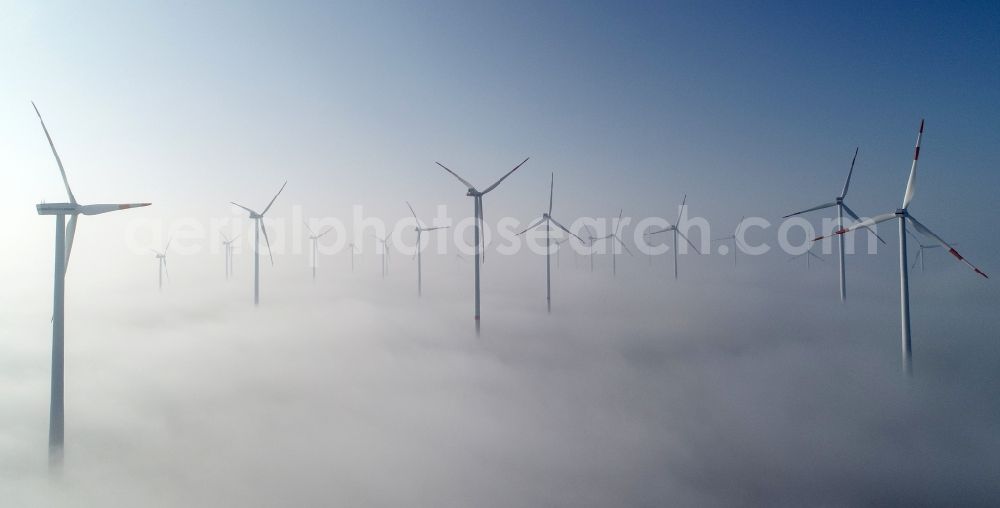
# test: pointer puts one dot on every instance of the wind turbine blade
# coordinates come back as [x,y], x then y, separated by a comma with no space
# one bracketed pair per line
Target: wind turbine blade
[868,223]
[72,199]
[818,207]
[623,245]
[325,231]
[951,250]
[722,239]
[70,234]
[552,185]
[911,183]
[663,230]
[618,226]
[855,217]
[167,247]
[812,254]
[99,209]
[460,179]
[414,214]
[739,224]
[916,258]
[275,197]
[165,270]
[266,240]
[223,236]
[849,173]
[681,209]
[433,228]
[308,228]
[532,226]
[564,228]
[243,207]
[504,177]
[693,246]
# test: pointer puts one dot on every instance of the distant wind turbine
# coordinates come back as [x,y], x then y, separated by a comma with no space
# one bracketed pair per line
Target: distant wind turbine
[64,246]
[161,259]
[548,220]
[477,197]
[903,215]
[614,236]
[673,229]
[419,228]
[228,246]
[354,250]
[314,241]
[590,242]
[808,255]
[259,228]
[385,241]
[733,238]
[921,256]
[841,208]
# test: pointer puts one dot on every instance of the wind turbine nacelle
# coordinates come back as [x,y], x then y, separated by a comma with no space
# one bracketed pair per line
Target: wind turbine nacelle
[57,208]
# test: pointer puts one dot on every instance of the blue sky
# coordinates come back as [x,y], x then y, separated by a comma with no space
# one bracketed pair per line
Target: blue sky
[750,109]
[684,95]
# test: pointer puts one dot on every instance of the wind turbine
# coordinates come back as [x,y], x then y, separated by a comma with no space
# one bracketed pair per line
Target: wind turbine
[733,238]
[614,236]
[161,258]
[590,241]
[228,246]
[259,228]
[673,229]
[354,250]
[807,254]
[841,208]
[549,221]
[64,246]
[920,252]
[314,239]
[419,229]
[903,215]
[477,198]
[385,251]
